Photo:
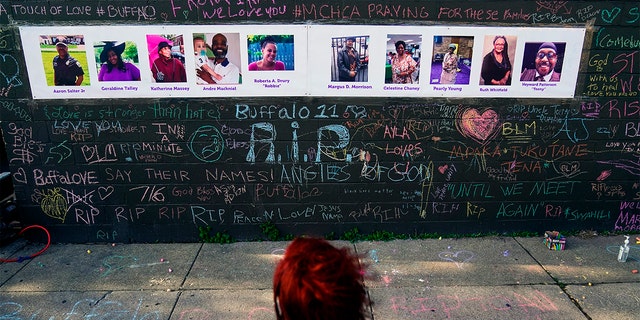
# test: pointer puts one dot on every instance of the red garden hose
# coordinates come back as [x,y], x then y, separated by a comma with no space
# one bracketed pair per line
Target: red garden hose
[20,259]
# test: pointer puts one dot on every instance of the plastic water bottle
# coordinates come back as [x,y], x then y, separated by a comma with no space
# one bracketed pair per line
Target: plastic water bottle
[374,256]
[623,253]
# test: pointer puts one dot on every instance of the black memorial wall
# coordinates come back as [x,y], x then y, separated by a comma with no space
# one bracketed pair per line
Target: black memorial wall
[137,170]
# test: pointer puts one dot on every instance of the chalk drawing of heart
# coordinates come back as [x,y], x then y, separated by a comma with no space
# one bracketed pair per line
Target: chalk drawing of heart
[20,176]
[54,204]
[569,169]
[9,71]
[458,257]
[443,168]
[479,126]
[609,16]
[105,192]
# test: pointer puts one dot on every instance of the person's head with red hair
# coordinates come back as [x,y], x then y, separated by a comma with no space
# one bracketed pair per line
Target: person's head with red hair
[317,281]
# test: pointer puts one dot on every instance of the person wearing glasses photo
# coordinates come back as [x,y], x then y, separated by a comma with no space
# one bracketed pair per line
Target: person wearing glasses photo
[545,63]
[496,65]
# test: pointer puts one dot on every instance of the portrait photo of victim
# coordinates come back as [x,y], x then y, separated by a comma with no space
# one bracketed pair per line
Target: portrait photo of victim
[217,58]
[166,58]
[117,61]
[270,52]
[64,58]
[350,59]
[403,59]
[542,61]
[497,62]
[451,59]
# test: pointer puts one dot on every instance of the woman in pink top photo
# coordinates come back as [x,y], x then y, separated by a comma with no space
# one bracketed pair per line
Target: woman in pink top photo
[269,50]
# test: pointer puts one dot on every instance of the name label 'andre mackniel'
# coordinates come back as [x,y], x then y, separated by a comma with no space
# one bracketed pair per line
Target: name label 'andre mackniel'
[219,88]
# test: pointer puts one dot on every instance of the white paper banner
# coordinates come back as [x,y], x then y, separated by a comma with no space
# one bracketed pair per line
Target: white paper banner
[295,60]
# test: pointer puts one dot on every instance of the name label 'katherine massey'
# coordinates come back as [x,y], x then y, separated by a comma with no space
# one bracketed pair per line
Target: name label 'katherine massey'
[174,88]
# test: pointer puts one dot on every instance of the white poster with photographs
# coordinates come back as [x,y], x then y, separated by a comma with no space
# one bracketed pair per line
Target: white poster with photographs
[73,62]
[165,61]
[434,61]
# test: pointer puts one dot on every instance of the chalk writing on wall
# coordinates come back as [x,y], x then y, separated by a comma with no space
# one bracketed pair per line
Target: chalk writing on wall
[469,164]
[143,169]
[534,12]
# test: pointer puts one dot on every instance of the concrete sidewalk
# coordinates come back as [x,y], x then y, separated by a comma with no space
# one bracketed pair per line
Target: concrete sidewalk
[469,278]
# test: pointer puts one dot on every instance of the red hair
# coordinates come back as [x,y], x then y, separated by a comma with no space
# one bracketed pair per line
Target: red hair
[317,281]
